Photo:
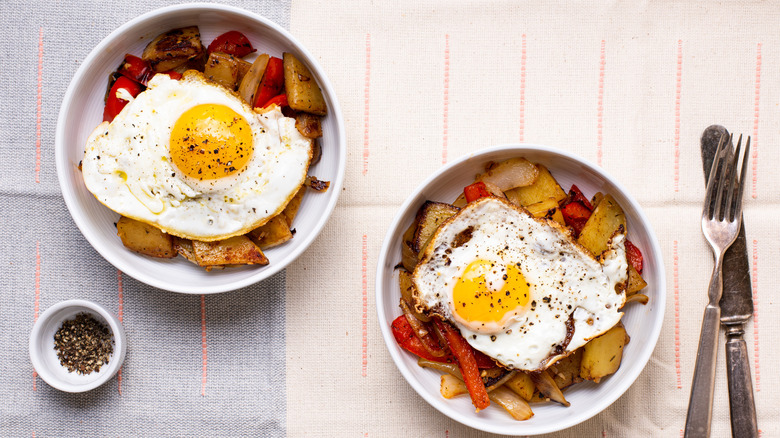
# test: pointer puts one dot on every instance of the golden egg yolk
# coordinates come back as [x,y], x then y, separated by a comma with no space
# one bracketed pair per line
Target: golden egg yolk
[211,141]
[477,300]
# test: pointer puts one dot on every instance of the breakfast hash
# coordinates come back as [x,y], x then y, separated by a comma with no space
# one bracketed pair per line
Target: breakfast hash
[516,289]
[204,153]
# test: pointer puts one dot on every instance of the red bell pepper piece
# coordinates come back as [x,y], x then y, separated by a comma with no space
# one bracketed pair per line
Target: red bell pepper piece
[136,69]
[634,256]
[404,335]
[467,364]
[475,191]
[280,101]
[233,43]
[575,215]
[115,104]
[272,83]
[575,194]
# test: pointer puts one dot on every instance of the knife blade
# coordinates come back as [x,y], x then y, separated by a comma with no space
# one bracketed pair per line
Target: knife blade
[736,306]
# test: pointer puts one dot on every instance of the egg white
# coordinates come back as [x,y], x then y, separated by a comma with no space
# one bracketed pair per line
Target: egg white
[566,281]
[128,167]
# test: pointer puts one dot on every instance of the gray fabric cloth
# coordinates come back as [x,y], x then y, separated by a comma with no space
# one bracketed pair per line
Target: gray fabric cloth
[162,375]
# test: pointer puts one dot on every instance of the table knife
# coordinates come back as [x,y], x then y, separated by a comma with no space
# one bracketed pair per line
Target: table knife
[736,306]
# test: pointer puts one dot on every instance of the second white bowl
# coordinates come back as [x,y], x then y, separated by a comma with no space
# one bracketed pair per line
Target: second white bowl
[82,110]
[643,323]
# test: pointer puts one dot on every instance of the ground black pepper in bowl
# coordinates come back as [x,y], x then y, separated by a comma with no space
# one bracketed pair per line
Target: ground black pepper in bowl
[83,344]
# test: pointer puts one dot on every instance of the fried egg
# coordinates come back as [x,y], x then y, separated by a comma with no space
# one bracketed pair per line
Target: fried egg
[519,288]
[191,158]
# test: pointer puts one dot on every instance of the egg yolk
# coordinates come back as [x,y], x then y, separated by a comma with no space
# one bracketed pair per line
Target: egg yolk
[211,141]
[480,301]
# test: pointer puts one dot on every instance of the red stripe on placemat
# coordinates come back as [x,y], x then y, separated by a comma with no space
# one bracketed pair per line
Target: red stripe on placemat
[120,315]
[446,117]
[755,317]
[522,90]
[203,344]
[754,140]
[677,93]
[676,279]
[600,107]
[38,106]
[366,100]
[37,303]
[364,319]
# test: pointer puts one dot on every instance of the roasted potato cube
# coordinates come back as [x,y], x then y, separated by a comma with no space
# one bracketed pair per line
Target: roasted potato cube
[522,385]
[429,217]
[596,200]
[635,281]
[308,125]
[602,224]
[452,386]
[222,69]
[173,48]
[543,188]
[291,210]
[238,250]
[601,356]
[547,208]
[144,238]
[566,371]
[243,68]
[275,232]
[407,292]
[303,93]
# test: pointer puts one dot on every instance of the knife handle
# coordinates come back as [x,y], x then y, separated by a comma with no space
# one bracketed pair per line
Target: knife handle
[697,424]
[743,407]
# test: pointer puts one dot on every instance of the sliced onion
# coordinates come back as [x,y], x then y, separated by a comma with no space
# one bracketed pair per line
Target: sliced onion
[637,297]
[515,172]
[451,368]
[252,78]
[421,332]
[513,403]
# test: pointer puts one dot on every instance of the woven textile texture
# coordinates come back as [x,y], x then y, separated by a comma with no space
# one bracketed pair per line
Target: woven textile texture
[195,365]
[627,85]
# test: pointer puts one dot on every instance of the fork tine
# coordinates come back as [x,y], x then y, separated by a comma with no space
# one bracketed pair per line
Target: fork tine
[740,189]
[714,186]
[711,187]
[731,181]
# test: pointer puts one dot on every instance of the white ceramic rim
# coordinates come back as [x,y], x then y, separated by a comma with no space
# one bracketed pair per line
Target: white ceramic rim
[262,273]
[472,420]
[120,346]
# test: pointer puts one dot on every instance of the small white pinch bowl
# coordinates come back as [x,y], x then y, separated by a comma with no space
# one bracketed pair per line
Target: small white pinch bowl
[82,111]
[44,356]
[643,323]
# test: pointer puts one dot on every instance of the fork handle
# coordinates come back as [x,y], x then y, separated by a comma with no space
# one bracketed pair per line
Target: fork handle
[741,403]
[697,425]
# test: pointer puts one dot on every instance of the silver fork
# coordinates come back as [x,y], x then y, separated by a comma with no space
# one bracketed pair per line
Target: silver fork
[720,222]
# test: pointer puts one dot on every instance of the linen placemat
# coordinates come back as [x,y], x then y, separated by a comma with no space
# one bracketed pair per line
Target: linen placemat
[627,85]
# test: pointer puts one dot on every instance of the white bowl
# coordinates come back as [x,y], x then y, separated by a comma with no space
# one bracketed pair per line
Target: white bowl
[44,356]
[643,323]
[82,110]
